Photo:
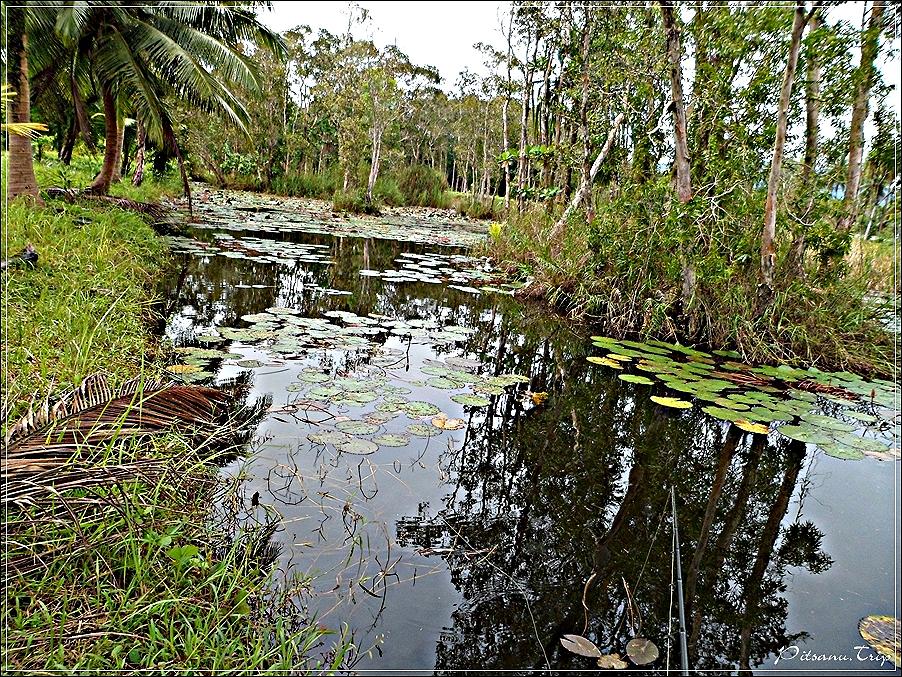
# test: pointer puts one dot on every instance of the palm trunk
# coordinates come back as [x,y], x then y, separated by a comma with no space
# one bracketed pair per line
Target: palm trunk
[21,180]
[101,184]
[139,154]
[865,78]
[120,152]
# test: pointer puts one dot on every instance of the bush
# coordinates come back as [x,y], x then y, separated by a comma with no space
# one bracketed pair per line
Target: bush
[320,186]
[422,186]
[353,201]
[386,191]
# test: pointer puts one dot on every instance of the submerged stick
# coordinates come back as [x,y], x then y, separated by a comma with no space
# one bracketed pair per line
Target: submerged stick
[684,654]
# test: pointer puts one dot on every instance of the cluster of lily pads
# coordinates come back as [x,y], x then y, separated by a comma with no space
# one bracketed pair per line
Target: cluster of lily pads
[242,211]
[760,399]
[456,270]
[252,248]
[382,424]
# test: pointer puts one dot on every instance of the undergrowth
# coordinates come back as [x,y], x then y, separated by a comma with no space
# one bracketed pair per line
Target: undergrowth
[623,272]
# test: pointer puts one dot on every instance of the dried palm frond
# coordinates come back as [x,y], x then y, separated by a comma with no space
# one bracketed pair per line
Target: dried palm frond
[51,443]
[154,211]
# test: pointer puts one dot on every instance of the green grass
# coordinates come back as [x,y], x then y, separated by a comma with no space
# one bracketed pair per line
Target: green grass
[87,305]
[144,582]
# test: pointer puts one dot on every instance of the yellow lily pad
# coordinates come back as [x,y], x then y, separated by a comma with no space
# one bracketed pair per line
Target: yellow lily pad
[674,402]
[749,427]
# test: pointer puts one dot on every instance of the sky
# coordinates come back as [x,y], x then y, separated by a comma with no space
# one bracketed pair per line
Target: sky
[442,34]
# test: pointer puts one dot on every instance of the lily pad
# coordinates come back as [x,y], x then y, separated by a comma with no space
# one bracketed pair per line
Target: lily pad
[358,447]
[749,427]
[328,437]
[391,440]
[882,633]
[672,402]
[642,651]
[417,409]
[442,383]
[471,400]
[635,378]
[445,423]
[354,427]
[604,361]
[314,377]
[249,364]
[422,430]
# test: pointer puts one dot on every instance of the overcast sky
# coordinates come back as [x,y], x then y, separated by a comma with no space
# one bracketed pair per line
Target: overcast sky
[442,34]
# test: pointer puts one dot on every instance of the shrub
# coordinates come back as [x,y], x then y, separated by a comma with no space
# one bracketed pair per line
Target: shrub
[422,186]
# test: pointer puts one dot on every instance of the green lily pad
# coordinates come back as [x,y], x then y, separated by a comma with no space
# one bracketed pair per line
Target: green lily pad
[635,378]
[841,451]
[358,447]
[722,413]
[354,427]
[249,364]
[471,400]
[805,432]
[827,422]
[423,430]
[328,437]
[314,377]
[391,440]
[417,409]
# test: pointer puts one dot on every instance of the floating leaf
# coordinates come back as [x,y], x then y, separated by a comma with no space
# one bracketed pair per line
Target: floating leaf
[635,378]
[673,402]
[642,651]
[422,430]
[604,361]
[805,433]
[354,427]
[749,427]
[612,662]
[841,451]
[882,633]
[722,413]
[358,447]
[314,377]
[580,645]
[445,423]
[328,437]
[443,383]
[417,409]
[249,364]
[471,400]
[391,440]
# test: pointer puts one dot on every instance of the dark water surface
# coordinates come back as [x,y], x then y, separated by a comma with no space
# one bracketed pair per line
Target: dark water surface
[471,549]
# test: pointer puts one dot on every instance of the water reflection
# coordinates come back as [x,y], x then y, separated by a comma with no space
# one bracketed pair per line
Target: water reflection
[473,550]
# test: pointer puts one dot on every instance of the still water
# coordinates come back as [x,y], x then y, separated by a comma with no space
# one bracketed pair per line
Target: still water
[471,548]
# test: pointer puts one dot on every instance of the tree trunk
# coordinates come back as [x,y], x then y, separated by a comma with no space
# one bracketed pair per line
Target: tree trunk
[21,179]
[504,115]
[65,152]
[584,178]
[139,154]
[374,164]
[101,184]
[522,166]
[120,151]
[795,262]
[864,79]
[585,188]
[768,250]
[681,146]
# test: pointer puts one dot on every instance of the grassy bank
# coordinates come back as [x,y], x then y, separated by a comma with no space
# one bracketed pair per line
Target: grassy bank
[623,272]
[127,569]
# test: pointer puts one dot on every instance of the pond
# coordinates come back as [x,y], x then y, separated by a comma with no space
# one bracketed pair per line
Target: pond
[458,486]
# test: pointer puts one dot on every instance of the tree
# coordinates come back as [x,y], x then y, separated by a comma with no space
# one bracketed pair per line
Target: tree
[21,180]
[864,78]
[768,249]
[144,54]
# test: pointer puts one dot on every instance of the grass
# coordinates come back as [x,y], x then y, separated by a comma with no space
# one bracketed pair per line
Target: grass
[87,306]
[623,273]
[137,575]
[143,582]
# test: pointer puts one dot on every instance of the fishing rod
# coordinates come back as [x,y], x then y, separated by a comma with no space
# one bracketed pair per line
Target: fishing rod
[684,653]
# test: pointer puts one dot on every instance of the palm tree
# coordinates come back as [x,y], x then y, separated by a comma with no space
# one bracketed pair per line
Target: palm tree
[144,55]
[21,180]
